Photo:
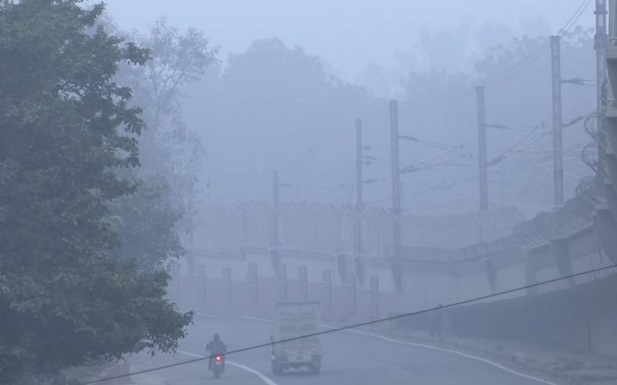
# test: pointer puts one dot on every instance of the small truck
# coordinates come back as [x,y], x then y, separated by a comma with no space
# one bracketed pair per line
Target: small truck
[293,320]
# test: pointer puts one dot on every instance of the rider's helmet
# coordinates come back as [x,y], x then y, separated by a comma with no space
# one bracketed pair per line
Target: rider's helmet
[217,337]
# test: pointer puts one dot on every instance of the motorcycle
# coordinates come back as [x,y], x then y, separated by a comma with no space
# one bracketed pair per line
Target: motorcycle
[218,365]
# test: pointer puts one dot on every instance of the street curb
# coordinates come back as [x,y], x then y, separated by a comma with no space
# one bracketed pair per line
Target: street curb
[502,360]
[505,360]
[476,354]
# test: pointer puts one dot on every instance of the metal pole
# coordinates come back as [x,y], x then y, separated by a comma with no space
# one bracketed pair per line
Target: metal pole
[359,192]
[612,23]
[396,186]
[482,162]
[610,42]
[276,206]
[601,45]
[557,124]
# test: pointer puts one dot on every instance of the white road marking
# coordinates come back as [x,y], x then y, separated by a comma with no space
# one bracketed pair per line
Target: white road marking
[448,351]
[499,366]
[261,376]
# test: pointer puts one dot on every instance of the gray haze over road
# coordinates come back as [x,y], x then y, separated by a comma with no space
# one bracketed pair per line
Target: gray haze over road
[349,359]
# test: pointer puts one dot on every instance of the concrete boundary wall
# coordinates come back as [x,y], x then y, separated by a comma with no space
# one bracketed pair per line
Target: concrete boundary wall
[234,270]
[249,282]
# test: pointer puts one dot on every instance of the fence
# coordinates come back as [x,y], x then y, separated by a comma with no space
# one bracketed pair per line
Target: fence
[330,228]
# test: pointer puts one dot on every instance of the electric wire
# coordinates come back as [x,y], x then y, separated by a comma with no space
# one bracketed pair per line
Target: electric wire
[507,75]
[361,324]
[518,68]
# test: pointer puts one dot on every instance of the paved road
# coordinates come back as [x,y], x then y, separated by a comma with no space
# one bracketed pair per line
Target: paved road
[349,359]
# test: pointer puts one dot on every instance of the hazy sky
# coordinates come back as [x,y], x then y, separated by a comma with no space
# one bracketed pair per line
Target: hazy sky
[348,34]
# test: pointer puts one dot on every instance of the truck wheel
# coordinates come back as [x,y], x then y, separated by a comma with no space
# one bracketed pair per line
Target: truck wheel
[315,369]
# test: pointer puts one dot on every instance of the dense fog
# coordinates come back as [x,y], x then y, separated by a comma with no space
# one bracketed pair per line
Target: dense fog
[324,192]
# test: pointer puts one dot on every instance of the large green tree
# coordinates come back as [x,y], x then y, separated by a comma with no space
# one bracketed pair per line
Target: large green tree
[67,134]
[148,221]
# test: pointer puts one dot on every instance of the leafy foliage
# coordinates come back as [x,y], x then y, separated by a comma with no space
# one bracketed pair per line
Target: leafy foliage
[148,222]
[67,132]
[169,147]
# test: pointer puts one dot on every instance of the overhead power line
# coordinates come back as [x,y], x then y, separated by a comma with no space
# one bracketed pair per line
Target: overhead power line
[522,65]
[526,62]
[423,165]
[361,324]
[525,142]
[441,146]
[572,21]
[517,67]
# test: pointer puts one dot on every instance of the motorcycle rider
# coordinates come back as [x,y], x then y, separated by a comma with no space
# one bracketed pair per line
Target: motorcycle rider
[215,347]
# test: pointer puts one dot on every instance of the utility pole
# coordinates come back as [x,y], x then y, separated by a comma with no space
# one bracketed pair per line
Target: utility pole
[275,207]
[396,184]
[610,42]
[612,23]
[601,45]
[557,124]
[359,192]
[482,162]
